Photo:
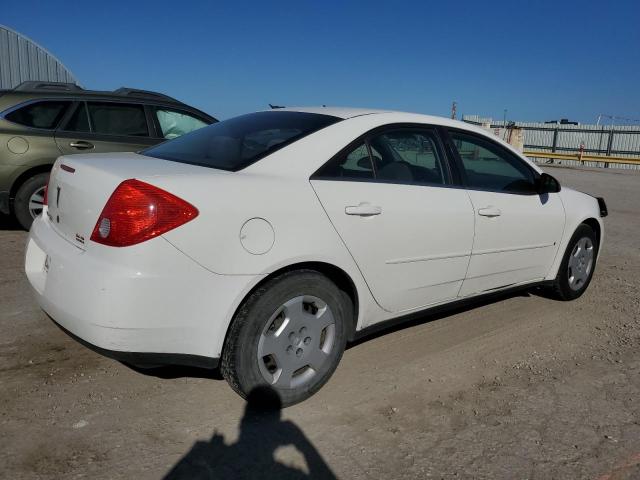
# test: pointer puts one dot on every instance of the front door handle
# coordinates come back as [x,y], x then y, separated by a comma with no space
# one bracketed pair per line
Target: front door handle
[489,212]
[364,210]
[81,145]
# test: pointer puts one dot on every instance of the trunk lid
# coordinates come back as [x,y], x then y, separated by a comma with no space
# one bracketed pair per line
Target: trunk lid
[80,186]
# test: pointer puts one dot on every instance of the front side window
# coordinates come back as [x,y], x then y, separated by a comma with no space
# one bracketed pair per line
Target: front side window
[118,119]
[174,123]
[238,142]
[488,166]
[45,114]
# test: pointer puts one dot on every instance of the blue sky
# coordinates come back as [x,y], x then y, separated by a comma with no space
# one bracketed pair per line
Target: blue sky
[541,60]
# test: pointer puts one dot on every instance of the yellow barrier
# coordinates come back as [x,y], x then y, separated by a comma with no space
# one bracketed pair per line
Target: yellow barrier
[584,158]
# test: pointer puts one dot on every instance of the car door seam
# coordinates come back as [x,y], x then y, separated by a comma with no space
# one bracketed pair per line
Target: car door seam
[347,248]
[473,241]
[561,239]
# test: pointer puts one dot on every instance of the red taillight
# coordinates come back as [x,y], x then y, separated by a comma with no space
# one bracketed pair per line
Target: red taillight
[137,211]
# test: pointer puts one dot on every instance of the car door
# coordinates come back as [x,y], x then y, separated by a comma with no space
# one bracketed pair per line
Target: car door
[517,230]
[390,199]
[102,126]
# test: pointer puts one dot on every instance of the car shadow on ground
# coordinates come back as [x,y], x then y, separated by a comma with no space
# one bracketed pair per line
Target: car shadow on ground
[262,432]
[7,222]
[176,371]
[170,372]
[440,312]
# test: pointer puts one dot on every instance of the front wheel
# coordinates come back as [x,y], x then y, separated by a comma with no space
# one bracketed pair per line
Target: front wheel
[289,334]
[578,263]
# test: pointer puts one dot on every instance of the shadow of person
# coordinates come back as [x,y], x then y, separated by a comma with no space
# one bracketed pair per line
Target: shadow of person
[262,431]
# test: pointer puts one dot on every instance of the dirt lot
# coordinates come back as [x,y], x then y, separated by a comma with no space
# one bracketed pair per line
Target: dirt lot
[523,387]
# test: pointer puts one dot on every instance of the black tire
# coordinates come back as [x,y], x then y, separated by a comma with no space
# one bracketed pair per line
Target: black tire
[561,288]
[240,359]
[21,201]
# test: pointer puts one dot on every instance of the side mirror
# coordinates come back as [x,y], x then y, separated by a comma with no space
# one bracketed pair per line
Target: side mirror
[547,184]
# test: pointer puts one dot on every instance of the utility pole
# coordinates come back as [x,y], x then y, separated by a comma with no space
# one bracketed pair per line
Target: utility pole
[454,107]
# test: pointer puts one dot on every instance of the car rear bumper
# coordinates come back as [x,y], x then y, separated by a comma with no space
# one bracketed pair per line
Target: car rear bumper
[146,358]
[147,299]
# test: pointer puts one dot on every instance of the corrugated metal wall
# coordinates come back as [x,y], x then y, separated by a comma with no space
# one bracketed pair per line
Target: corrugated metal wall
[615,140]
[610,140]
[22,60]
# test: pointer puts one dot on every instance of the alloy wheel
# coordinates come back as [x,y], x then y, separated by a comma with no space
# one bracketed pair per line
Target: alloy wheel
[296,342]
[580,263]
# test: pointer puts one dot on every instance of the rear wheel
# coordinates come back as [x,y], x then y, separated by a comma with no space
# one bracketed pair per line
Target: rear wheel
[578,263]
[29,199]
[289,334]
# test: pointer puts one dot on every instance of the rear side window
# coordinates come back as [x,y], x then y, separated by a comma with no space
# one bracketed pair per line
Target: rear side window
[79,121]
[45,114]
[409,156]
[238,142]
[400,155]
[118,119]
[174,124]
[355,165]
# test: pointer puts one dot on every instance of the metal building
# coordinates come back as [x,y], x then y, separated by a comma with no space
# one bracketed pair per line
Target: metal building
[21,59]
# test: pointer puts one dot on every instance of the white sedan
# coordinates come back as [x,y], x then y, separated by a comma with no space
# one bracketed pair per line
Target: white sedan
[264,243]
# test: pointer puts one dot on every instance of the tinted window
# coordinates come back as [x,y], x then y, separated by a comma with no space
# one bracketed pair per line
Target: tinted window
[488,166]
[401,156]
[118,119]
[238,142]
[410,155]
[45,114]
[355,164]
[79,121]
[174,124]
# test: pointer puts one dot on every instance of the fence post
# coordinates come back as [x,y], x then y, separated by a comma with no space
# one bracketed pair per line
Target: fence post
[555,141]
[610,143]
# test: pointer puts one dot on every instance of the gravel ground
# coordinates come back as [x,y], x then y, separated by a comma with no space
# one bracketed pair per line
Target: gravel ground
[519,387]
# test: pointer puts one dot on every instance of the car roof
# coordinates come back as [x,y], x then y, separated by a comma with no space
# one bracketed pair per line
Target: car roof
[29,91]
[340,112]
[356,122]
[387,116]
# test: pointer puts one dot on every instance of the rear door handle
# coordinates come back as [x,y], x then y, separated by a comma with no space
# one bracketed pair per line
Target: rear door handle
[81,144]
[489,212]
[364,210]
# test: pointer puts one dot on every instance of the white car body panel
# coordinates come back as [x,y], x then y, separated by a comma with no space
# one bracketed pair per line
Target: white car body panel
[579,207]
[405,269]
[134,299]
[507,249]
[179,292]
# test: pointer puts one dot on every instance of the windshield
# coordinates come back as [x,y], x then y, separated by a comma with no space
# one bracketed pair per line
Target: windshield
[238,142]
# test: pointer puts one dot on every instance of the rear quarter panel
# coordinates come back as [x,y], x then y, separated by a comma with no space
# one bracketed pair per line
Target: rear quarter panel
[302,231]
[39,151]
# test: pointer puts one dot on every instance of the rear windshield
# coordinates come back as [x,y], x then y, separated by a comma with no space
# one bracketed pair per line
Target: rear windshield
[238,142]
